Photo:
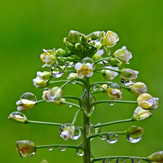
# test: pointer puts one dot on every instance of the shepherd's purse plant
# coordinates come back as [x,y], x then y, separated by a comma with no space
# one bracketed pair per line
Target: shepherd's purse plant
[83,57]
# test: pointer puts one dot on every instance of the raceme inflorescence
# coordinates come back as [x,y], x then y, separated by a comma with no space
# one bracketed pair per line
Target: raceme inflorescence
[83,57]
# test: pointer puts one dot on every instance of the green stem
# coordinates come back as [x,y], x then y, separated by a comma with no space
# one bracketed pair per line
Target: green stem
[58,81]
[86,127]
[40,101]
[102,59]
[93,84]
[72,97]
[127,88]
[44,123]
[114,122]
[76,114]
[105,68]
[119,157]
[97,91]
[106,133]
[69,103]
[116,101]
[69,81]
[59,145]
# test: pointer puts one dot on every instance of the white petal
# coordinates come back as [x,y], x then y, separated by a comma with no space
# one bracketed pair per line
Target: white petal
[78,66]
[80,76]
[65,134]
[89,65]
[90,74]
[20,108]
[100,52]
[39,73]
[124,48]
[45,50]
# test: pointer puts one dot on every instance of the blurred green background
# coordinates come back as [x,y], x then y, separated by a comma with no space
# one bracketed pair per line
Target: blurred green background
[26,27]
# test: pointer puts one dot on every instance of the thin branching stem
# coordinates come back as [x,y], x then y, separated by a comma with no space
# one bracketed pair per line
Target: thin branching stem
[113,122]
[76,114]
[106,133]
[44,123]
[70,104]
[59,145]
[115,101]
[119,157]
[105,68]
[71,97]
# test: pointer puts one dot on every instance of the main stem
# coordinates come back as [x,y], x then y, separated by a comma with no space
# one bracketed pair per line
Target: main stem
[86,128]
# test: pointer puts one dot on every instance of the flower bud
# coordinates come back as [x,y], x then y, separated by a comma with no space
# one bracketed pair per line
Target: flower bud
[109,39]
[69,45]
[114,94]
[44,161]
[129,74]
[96,35]
[78,46]
[84,39]
[72,76]
[74,36]
[60,52]
[26,148]
[48,57]
[67,131]
[141,114]
[147,102]
[18,117]
[108,74]
[138,88]
[115,62]
[24,104]
[123,55]
[156,157]
[135,132]
[53,94]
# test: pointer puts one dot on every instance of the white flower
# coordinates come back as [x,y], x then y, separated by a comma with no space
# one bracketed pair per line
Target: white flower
[123,55]
[108,74]
[66,134]
[39,82]
[114,93]
[42,79]
[138,88]
[140,114]
[48,57]
[84,69]
[109,39]
[53,94]
[24,104]
[72,76]
[128,74]
[147,102]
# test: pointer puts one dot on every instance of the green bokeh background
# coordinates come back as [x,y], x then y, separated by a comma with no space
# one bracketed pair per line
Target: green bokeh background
[29,26]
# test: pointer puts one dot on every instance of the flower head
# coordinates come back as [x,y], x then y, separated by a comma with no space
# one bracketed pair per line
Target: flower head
[129,74]
[141,114]
[147,102]
[109,39]
[138,88]
[18,117]
[42,79]
[156,157]
[24,104]
[53,94]
[114,94]
[84,70]
[26,148]
[123,55]
[48,57]
[67,132]
[72,76]
[108,74]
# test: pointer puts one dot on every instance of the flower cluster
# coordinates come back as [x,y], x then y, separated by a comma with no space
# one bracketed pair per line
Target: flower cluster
[83,57]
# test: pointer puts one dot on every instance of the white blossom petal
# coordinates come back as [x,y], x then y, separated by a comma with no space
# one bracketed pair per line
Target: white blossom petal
[78,66]
[89,65]
[90,74]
